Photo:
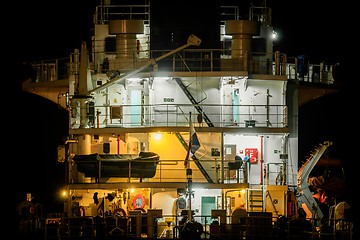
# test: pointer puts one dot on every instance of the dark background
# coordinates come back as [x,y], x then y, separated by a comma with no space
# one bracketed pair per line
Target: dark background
[51,29]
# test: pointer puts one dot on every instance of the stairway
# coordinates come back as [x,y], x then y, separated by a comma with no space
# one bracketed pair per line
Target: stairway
[206,119]
[196,161]
[193,101]
[255,200]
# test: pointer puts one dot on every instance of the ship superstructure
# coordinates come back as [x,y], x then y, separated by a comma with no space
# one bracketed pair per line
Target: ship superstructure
[131,109]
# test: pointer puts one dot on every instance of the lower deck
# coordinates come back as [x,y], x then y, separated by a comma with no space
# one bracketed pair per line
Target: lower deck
[146,225]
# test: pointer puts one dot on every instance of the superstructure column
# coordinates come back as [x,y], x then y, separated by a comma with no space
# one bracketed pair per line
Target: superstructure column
[242,32]
[126,42]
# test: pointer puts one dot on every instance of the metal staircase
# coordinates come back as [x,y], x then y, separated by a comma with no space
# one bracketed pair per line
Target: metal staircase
[196,161]
[206,119]
[255,200]
[193,101]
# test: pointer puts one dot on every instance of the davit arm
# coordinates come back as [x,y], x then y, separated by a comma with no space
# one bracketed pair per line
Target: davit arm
[192,41]
[306,198]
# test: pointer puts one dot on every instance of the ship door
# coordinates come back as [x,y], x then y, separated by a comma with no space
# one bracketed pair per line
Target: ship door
[231,98]
[136,114]
[229,156]
[207,204]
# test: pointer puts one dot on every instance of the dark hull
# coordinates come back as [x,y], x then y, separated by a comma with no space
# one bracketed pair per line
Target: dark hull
[117,165]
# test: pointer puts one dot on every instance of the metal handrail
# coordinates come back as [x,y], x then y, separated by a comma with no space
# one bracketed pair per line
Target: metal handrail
[176,115]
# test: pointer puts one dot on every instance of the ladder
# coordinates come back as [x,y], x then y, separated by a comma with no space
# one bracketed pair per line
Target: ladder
[255,200]
[196,161]
[193,101]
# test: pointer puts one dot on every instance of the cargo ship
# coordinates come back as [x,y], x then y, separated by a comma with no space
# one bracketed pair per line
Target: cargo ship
[186,142]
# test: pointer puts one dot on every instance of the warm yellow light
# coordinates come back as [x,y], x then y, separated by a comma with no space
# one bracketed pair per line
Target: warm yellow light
[132,190]
[157,136]
[64,193]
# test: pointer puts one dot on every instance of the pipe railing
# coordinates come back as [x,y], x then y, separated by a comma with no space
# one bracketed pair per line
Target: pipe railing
[176,115]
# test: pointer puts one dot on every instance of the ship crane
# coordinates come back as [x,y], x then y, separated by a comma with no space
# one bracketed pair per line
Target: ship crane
[306,198]
[191,41]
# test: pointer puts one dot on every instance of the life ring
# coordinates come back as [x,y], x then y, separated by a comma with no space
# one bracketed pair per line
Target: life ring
[32,210]
[119,212]
[139,201]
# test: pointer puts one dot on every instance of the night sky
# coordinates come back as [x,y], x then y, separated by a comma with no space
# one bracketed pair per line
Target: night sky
[50,29]
[53,29]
